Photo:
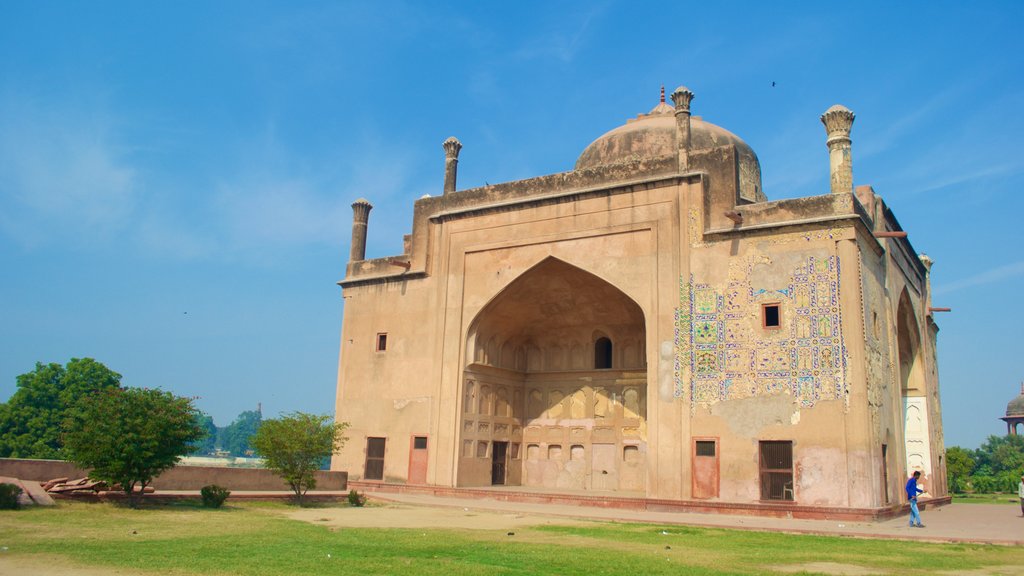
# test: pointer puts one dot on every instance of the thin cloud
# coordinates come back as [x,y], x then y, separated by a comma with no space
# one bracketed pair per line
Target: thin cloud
[983,172]
[61,174]
[937,106]
[565,44]
[285,204]
[997,274]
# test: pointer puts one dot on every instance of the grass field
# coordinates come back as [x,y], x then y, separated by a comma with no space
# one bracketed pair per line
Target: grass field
[257,539]
[986,499]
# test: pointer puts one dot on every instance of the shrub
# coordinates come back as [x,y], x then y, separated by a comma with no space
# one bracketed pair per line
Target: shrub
[356,499]
[214,496]
[9,496]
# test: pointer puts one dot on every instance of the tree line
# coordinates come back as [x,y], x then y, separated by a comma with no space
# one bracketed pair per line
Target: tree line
[996,466]
[127,436]
[31,420]
[235,439]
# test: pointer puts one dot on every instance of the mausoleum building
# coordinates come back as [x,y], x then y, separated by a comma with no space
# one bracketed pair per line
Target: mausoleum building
[647,324]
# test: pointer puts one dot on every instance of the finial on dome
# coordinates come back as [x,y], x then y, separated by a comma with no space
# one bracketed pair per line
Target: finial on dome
[662,93]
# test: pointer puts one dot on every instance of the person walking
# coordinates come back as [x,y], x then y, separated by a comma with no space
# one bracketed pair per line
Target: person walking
[912,491]
[1020,494]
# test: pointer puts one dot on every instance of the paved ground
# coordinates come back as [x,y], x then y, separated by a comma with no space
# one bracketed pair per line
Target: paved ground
[982,523]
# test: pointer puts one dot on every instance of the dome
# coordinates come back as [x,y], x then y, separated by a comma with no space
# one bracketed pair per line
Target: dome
[653,135]
[1016,406]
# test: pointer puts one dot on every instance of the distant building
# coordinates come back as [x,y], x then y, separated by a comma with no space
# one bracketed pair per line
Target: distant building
[1015,413]
[650,324]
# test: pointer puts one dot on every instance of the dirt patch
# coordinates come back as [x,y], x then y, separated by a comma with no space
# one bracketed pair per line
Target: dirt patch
[828,568]
[406,516]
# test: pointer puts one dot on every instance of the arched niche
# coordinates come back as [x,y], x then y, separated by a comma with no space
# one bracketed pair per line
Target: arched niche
[908,337]
[550,308]
[916,428]
[538,339]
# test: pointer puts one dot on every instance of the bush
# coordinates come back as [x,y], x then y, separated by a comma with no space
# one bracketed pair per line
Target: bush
[356,499]
[214,496]
[9,496]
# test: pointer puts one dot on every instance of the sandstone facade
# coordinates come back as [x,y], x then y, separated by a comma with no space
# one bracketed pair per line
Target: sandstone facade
[648,323]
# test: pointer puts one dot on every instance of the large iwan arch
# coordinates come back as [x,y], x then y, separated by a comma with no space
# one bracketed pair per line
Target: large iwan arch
[555,385]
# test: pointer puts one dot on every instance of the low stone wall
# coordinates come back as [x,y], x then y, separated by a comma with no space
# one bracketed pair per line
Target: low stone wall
[177,478]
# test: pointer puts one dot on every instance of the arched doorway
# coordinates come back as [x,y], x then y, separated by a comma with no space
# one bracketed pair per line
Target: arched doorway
[555,387]
[913,389]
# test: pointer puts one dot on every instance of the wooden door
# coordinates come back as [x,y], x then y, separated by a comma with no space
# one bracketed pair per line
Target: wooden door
[374,468]
[498,463]
[705,468]
[418,460]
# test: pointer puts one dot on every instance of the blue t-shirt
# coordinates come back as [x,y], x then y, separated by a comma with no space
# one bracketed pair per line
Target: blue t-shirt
[912,489]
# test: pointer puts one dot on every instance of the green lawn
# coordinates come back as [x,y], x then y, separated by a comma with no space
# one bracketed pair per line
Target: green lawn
[986,499]
[256,539]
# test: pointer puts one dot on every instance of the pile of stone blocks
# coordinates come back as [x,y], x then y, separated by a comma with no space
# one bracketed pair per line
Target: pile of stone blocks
[31,492]
[84,487]
[80,485]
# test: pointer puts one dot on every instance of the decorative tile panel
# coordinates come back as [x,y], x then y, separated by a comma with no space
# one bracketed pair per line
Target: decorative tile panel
[719,356]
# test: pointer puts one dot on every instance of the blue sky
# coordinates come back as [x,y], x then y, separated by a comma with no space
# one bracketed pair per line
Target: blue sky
[176,177]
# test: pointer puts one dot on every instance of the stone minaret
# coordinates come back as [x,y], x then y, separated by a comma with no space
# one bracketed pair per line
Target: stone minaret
[838,120]
[681,97]
[451,162]
[360,216]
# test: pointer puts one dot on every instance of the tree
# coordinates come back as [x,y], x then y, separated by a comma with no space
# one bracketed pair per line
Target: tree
[959,466]
[1002,453]
[129,436]
[237,436]
[208,443]
[294,445]
[999,462]
[30,421]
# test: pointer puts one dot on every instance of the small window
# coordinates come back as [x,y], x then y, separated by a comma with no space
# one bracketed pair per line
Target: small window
[705,448]
[419,443]
[602,353]
[513,451]
[771,315]
[630,453]
[555,452]
[481,449]
[382,342]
